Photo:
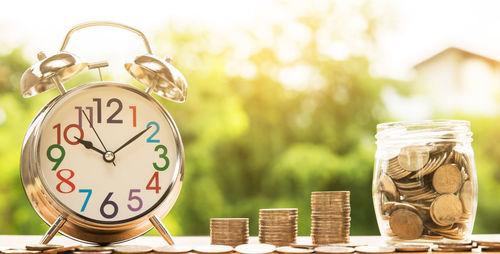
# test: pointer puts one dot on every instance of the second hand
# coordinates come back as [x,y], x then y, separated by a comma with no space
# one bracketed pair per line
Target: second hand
[92,127]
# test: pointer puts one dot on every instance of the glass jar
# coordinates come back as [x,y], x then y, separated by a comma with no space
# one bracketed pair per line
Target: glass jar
[424,181]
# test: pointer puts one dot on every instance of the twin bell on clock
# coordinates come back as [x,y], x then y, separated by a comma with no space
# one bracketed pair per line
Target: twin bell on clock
[103,162]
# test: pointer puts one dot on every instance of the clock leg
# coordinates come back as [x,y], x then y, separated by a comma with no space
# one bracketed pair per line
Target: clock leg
[161,229]
[54,228]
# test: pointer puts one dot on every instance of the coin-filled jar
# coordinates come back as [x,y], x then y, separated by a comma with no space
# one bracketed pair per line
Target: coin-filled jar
[424,181]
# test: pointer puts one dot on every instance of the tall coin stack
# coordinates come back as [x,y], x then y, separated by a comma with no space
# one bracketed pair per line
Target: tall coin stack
[229,231]
[331,217]
[278,226]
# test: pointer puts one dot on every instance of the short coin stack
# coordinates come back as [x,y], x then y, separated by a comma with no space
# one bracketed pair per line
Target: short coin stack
[229,231]
[278,226]
[331,217]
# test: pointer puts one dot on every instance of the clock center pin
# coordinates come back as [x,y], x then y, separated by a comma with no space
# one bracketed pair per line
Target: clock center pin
[109,156]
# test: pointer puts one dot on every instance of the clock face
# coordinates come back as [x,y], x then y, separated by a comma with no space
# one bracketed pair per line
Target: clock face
[109,153]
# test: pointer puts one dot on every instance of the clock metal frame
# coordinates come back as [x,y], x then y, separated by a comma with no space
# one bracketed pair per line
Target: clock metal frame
[72,224]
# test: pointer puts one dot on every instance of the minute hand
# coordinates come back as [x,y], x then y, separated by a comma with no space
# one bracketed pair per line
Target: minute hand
[131,140]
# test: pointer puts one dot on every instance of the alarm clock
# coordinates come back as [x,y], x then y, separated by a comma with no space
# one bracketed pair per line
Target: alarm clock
[103,162]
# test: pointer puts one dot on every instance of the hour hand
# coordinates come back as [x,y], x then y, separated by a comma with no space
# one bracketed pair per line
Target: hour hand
[89,145]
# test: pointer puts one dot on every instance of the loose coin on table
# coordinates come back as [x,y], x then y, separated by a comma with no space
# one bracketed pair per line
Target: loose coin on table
[333,250]
[211,249]
[42,247]
[292,250]
[304,246]
[375,249]
[132,249]
[21,251]
[490,248]
[439,249]
[93,252]
[62,249]
[261,248]
[94,248]
[412,248]
[172,249]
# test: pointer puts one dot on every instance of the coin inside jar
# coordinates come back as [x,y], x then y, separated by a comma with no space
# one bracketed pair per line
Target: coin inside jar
[406,224]
[447,179]
[388,187]
[413,158]
[446,210]
[466,196]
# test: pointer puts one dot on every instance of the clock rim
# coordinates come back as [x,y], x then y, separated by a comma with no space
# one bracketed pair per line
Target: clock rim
[49,207]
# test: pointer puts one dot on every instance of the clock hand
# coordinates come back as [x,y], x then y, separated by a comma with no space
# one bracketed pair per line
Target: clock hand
[132,139]
[92,127]
[89,145]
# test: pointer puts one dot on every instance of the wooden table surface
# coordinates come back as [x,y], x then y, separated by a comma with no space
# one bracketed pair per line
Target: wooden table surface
[20,241]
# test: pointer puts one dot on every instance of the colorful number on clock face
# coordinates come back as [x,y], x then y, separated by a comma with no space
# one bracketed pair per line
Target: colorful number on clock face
[108,153]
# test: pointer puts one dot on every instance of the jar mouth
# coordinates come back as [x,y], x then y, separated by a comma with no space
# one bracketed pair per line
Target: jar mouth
[431,130]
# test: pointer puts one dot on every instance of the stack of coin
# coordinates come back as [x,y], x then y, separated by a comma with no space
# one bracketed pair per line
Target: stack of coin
[331,217]
[278,226]
[427,191]
[229,231]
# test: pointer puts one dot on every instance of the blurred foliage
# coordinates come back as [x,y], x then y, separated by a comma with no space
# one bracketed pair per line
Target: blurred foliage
[262,128]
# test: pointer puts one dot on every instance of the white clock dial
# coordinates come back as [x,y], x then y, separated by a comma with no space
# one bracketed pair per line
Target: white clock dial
[108,153]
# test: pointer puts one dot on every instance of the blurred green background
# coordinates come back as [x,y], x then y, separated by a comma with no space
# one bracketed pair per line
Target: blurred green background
[255,136]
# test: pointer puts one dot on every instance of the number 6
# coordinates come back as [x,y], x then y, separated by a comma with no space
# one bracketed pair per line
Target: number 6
[111,203]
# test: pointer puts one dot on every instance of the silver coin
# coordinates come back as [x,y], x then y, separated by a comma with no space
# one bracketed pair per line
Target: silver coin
[172,249]
[213,249]
[132,249]
[375,249]
[288,249]
[332,249]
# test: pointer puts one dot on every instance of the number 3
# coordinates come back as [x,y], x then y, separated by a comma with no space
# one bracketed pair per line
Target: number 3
[163,156]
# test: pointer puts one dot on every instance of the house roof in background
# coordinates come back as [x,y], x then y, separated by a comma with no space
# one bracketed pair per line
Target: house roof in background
[457,50]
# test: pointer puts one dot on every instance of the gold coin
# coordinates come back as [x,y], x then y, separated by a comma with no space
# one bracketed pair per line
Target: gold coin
[132,249]
[457,248]
[42,247]
[333,250]
[447,179]
[172,249]
[94,248]
[62,249]
[375,249]
[304,246]
[466,195]
[446,210]
[487,242]
[413,158]
[93,252]
[412,248]
[490,248]
[255,248]
[390,207]
[406,224]
[292,250]
[211,249]
[20,251]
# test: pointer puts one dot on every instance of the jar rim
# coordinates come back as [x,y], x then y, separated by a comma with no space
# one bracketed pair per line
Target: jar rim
[423,124]
[429,130]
